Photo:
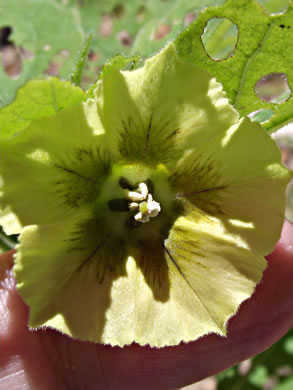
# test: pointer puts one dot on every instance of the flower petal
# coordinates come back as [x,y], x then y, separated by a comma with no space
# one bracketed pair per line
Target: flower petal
[52,257]
[160,295]
[204,276]
[238,176]
[157,112]
[52,167]
[219,271]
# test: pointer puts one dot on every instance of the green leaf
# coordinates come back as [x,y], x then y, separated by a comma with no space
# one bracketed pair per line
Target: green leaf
[262,48]
[48,31]
[37,99]
[119,62]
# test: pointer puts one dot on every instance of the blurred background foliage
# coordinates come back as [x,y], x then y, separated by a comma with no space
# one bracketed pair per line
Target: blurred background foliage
[272,369]
[43,38]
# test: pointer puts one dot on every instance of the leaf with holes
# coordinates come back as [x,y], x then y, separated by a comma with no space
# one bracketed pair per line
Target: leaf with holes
[39,42]
[133,26]
[167,23]
[257,73]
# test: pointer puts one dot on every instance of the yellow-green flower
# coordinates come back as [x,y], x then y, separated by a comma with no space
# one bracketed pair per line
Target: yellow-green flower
[145,212]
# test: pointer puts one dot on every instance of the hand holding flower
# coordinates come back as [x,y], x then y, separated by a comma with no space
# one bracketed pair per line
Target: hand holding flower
[45,359]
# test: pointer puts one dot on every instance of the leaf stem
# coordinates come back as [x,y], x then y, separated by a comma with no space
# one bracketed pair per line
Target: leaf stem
[78,69]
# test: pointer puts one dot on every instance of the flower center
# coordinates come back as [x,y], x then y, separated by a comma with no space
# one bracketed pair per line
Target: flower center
[141,201]
[135,194]
[138,200]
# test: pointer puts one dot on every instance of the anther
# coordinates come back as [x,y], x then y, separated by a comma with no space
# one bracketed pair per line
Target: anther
[134,196]
[142,187]
[133,206]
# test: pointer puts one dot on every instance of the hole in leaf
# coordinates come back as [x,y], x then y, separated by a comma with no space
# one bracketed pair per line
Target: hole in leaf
[53,69]
[92,56]
[262,115]
[106,26]
[141,13]
[118,11]
[57,62]
[11,60]
[274,7]
[10,54]
[162,30]
[273,88]
[189,18]
[5,32]
[26,53]
[124,38]
[220,38]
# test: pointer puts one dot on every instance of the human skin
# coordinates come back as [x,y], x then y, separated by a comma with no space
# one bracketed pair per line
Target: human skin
[46,360]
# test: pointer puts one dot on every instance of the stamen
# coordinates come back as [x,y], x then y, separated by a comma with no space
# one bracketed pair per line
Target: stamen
[133,206]
[134,196]
[147,209]
[139,200]
[143,189]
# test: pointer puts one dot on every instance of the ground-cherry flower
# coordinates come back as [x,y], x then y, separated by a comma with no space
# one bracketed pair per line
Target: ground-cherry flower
[145,212]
